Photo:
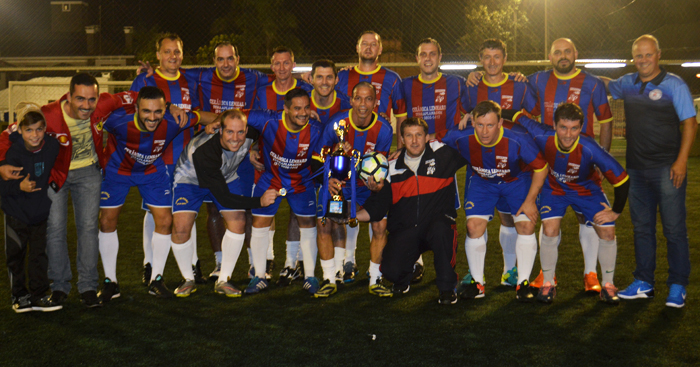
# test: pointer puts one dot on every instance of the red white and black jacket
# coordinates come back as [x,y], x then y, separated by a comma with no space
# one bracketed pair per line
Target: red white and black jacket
[56,126]
[415,198]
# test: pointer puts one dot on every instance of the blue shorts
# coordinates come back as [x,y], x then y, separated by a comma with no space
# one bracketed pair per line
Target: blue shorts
[554,206]
[154,189]
[189,197]
[361,195]
[503,207]
[171,175]
[246,174]
[483,196]
[302,204]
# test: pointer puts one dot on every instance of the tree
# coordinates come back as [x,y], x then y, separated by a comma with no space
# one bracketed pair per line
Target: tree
[492,21]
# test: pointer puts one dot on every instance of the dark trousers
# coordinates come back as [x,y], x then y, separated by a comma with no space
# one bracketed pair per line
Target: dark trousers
[405,246]
[25,243]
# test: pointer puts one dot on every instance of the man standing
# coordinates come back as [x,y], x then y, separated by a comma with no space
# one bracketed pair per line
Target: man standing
[657,103]
[76,121]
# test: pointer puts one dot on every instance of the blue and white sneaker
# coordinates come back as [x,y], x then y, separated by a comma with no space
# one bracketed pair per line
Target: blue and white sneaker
[256,285]
[638,289]
[676,296]
[311,285]
[510,278]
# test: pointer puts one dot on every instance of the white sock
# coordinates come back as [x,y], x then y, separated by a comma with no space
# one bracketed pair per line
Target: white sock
[109,248]
[231,246]
[374,273]
[149,226]
[300,255]
[161,250]
[507,237]
[339,257]
[589,244]
[250,255]
[193,238]
[549,253]
[607,255]
[370,232]
[476,257]
[526,252]
[328,269]
[259,242]
[217,257]
[351,243]
[420,259]
[307,243]
[292,251]
[183,255]
[271,246]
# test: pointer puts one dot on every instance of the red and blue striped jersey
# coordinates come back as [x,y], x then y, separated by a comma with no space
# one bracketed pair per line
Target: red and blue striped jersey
[503,161]
[341,102]
[133,151]
[180,91]
[286,153]
[439,102]
[217,95]
[573,172]
[386,82]
[508,93]
[582,88]
[269,98]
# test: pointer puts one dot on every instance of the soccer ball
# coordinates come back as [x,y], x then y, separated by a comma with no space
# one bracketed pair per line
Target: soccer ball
[373,164]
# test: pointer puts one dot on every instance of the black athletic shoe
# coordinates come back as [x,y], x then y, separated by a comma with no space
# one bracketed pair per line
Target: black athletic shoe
[447,297]
[158,288]
[523,292]
[58,297]
[397,289]
[110,291]
[285,278]
[199,278]
[45,304]
[22,304]
[147,271]
[270,266]
[418,271]
[90,300]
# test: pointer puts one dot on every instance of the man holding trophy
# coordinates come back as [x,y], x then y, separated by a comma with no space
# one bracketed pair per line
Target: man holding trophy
[349,135]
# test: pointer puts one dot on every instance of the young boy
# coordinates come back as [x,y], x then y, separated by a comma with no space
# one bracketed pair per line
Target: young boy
[26,206]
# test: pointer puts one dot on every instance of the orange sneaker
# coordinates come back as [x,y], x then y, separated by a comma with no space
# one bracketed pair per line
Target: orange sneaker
[537,283]
[590,281]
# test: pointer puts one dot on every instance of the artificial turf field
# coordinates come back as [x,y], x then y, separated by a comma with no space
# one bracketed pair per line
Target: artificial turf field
[286,326]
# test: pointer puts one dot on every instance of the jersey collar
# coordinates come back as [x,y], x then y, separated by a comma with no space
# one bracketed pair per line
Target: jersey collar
[578,71]
[556,143]
[284,122]
[238,70]
[283,92]
[420,78]
[313,93]
[176,77]
[357,69]
[374,120]
[500,136]
[505,79]
[138,126]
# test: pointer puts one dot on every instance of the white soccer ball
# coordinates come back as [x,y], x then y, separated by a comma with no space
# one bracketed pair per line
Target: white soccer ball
[375,165]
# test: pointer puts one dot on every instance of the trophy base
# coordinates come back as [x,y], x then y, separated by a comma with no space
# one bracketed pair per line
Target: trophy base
[337,211]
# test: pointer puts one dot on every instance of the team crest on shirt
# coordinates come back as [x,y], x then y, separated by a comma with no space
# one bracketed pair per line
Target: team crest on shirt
[377,87]
[158,146]
[38,169]
[574,94]
[185,94]
[62,139]
[127,99]
[655,94]
[506,102]
[439,95]
[303,150]
[370,147]
[431,166]
[502,161]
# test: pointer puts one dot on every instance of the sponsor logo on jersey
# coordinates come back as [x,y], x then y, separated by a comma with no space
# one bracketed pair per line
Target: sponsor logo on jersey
[62,139]
[468,205]
[655,94]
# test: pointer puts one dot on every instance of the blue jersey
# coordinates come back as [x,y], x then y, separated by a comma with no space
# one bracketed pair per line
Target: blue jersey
[439,102]
[133,151]
[217,95]
[286,153]
[502,161]
[508,93]
[340,102]
[386,82]
[270,98]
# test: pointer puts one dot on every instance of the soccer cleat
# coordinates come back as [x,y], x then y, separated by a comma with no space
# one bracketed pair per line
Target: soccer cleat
[418,271]
[227,289]
[339,277]
[608,294]
[510,278]
[251,272]
[676,296]
[327,289]
[185,288]
[298,271]
[90,299]
[311,285]
[147,272]
[547,293]
[197,272]
[110,291]
[397,289]
[285,278]
[469,288]
[269,268]
[448,297]
[58,297]
[379,289]
[638,289]
[349,272]
[537,283]
[523,292]
[22,304]
[45,304]
[214,275]
[256,285]
[590,281]
[157,288]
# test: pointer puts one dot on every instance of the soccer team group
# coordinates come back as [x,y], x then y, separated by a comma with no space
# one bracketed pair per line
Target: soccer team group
[241,141]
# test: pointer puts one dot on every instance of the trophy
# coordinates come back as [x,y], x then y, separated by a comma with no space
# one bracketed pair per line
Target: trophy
[340,166]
